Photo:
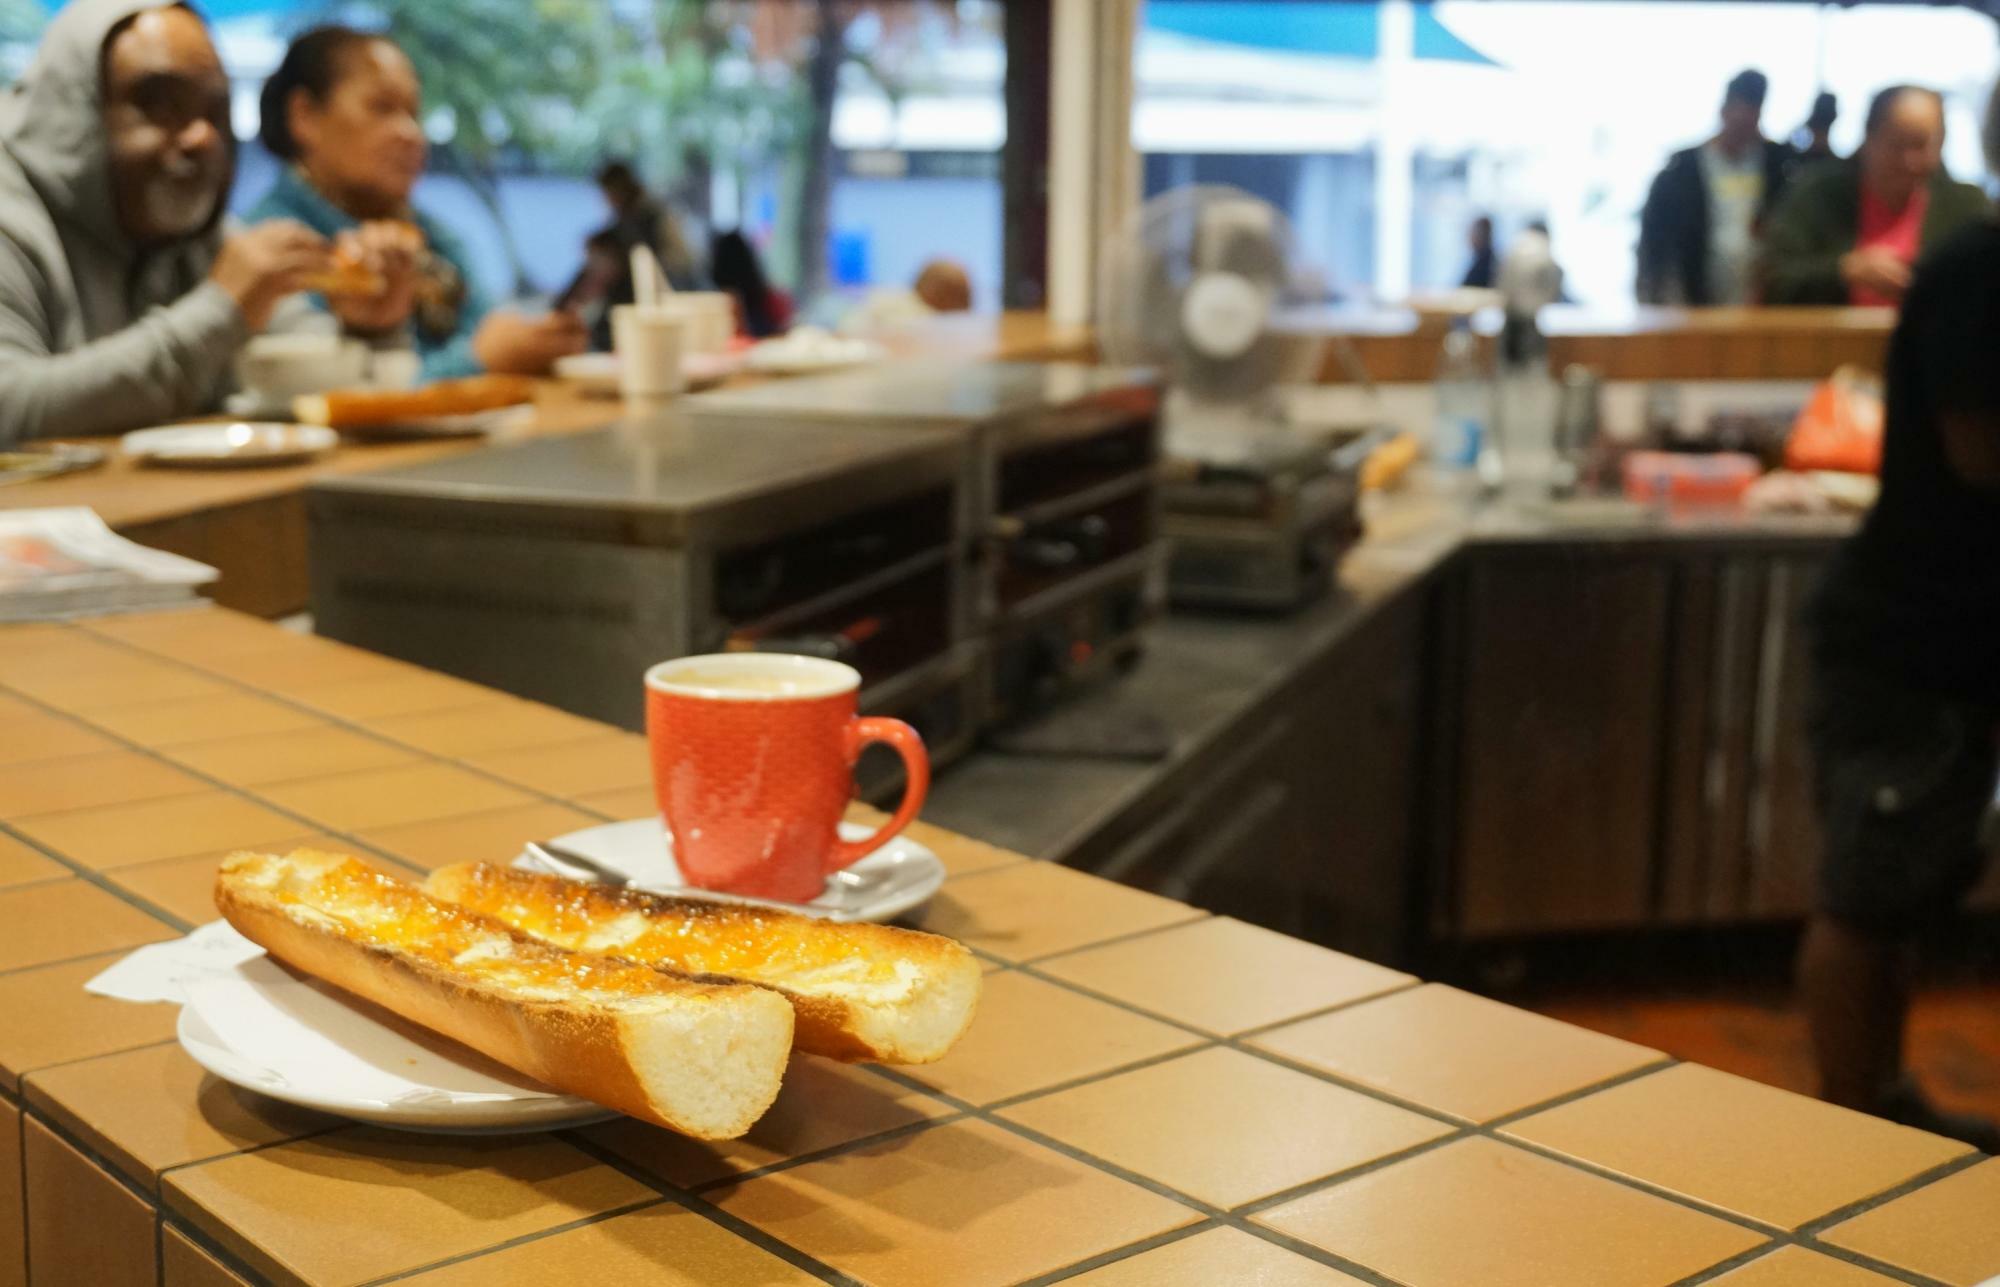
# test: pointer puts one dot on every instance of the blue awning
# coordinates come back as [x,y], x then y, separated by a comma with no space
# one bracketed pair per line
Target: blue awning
[224,10]
[1333,28]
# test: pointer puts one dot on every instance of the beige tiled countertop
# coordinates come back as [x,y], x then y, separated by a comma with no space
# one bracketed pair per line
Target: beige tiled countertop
[1151,1095]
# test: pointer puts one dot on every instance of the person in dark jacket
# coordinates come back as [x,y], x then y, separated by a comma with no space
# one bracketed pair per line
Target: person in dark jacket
[761,309]
[1905,722]
[1698,232]
[125,296]
[1851,232]
[1480,273]
[1815,138]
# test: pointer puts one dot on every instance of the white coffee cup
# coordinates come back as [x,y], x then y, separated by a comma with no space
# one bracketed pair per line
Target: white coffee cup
[649,343]
[395,369]
[278,368]
[710,317]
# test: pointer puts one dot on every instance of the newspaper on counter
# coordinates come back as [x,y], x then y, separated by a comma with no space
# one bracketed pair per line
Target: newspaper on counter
[67,563]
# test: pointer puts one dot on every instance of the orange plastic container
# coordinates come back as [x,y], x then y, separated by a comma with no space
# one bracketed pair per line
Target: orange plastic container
[1675,478]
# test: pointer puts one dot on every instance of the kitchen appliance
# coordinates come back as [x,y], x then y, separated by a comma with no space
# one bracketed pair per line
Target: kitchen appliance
[1255,509]
[560,569]
[1063,548]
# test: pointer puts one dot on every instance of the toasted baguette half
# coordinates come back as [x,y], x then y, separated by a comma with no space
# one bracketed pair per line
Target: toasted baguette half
[861,991]
[374,408]
[698,1057]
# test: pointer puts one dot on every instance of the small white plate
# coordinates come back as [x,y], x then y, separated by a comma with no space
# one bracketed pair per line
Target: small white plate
[895,878]
[595,375]
[231,445]
[270,1031]
[796,355]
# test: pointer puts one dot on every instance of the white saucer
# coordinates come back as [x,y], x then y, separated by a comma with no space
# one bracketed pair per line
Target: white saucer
[895,878]
[233,444]
[267,1030]
[595,375]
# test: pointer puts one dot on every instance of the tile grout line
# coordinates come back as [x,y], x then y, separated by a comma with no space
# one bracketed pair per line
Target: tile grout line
[1923,1179]
[1751,1223]
[1247,1211]
[1127,1252]
[68,873]
[90,876]
[21,1077]
[825,1154]
[1116,940]
[1235,1218]
[646,1204]
[353,726]
[1232,1217]
[1265,1029]
[227,788]
[90,1153]
[228,1259]
[105,951]
[1254,1052]
[1892,1272]
[194,1162]
[1089,1079]
[21,1169]
[1563,1100]
[105,1162]
[709,1211]
[1747,1256]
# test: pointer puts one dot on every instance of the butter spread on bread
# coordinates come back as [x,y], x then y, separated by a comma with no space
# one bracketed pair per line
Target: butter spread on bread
[861,991]
[698,1056]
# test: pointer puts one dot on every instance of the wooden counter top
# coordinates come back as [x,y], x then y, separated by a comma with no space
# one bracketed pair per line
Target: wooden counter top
[1401,345]
[1150,1095]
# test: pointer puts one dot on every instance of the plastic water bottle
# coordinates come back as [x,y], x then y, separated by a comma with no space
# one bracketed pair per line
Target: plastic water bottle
[1462,423]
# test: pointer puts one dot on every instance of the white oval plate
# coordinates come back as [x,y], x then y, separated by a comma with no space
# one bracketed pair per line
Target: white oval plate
[234,445]
[596,374]
[895,878]
[270,1031]
[591,373]
[791,356]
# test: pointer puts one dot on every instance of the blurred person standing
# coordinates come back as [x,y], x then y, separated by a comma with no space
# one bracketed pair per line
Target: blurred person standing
[1698,232]
[1479,274]
[124,300]
[762,310]
[1905,708]
[1850,232]
[1815,138]
[638,218]
[342,111]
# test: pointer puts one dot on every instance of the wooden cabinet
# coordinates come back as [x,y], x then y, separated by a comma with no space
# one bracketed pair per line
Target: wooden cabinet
[1631,742]
[1561,657]
[1299,818]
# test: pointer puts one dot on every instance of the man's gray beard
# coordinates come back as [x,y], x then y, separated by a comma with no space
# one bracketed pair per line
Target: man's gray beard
[176,205]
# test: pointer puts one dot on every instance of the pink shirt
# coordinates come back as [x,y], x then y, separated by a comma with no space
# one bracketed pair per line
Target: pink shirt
[1900,232]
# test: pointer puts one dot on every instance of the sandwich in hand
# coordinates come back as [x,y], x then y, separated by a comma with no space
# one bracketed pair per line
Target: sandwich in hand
[703,1057]
[861,991]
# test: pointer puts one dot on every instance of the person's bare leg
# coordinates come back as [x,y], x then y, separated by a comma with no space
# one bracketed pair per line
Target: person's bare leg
[1857,998]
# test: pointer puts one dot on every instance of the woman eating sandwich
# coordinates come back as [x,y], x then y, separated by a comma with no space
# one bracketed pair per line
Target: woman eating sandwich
[342,111]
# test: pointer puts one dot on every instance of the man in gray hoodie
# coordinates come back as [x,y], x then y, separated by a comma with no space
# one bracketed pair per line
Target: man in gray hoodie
[123,299]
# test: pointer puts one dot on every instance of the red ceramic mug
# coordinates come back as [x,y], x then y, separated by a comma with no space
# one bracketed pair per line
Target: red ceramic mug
[753,764]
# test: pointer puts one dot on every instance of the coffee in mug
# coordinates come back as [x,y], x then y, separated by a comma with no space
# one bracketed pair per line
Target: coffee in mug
[753,765]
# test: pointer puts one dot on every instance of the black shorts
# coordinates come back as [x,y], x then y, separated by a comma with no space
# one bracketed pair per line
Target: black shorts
[1904,782]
